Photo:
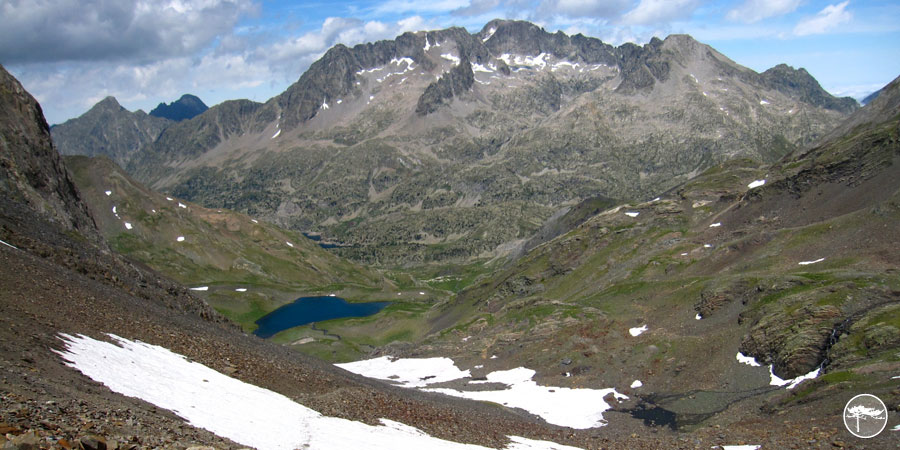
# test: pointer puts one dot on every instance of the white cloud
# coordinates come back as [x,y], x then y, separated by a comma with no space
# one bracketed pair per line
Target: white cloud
[857,91]
[292,56]
[752,11]
[477,7]
[407,6]
[620,35]
[649,12]
[583,8]
[112,30]
[238,67]
[826,20]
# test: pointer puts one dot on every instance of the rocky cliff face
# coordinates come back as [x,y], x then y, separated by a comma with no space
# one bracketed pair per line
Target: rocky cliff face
[31,170]
[449,145]
[108,130]
[453,83]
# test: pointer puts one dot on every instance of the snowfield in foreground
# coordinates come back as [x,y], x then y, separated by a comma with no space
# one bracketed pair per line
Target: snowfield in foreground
[576,408]
[242,412]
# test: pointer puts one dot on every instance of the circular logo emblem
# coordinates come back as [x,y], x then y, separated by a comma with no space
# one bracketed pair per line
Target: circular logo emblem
[865,416]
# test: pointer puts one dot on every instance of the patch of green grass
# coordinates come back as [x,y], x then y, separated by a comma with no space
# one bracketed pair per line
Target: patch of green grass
[890,317]
[833,299]
[247,316]
[451,277]
[840,377]
[532,313]
[624,288]
[777,296]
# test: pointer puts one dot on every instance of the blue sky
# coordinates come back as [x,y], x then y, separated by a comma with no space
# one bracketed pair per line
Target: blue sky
[71,54]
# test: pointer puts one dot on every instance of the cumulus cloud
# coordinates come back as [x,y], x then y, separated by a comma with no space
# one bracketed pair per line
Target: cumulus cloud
[288,58]
[752,11]
[68,90]
[419,7]
[826,20]
[651,12]
[234,66]
[584,8]
[477,7]
[112,30]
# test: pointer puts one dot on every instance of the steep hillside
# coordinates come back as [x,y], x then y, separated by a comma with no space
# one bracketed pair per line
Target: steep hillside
[36,177]
[108,130]
[221,250]
[792,264]
[446,146]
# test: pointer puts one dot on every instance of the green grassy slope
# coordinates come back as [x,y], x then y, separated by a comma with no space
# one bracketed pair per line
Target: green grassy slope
[221,249]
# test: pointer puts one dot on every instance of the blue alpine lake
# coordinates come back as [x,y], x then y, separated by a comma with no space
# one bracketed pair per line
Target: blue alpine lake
[306,310]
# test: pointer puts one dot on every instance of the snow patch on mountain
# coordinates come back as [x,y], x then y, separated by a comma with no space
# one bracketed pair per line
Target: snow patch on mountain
[242,412]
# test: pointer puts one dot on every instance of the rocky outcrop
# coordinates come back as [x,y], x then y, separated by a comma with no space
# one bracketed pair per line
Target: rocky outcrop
[31,171]
[641,66]
[186,107]
[450,85]
[794,343]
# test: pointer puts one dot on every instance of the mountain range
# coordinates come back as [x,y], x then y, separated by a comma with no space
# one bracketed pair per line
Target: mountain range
[733,288]
[448,146]
[60,281]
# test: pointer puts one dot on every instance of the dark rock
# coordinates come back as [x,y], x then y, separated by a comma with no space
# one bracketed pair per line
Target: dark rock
[92,442]
[25,441]
[186,107]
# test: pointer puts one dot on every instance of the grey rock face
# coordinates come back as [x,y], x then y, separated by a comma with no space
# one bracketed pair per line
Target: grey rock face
[109,130]
[31,170]
[453,83]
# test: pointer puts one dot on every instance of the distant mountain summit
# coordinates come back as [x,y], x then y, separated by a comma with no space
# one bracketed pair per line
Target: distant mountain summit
[800,84]
[449,145]
[108,129]
[868,99]
[186,107]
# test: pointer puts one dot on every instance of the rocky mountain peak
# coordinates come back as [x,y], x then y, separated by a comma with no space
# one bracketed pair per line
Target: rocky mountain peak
[108,129]
[108,103]
[514,36]
[799,83]
[186,107]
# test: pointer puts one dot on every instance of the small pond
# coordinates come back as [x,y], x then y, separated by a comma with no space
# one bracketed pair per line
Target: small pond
[306,310]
